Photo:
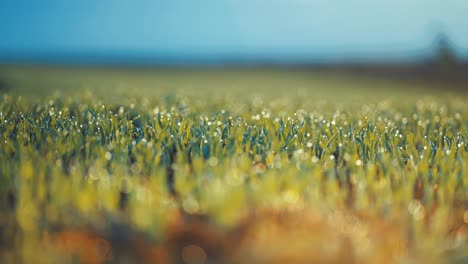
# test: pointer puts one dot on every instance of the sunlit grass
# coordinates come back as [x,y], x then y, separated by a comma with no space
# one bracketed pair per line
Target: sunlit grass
[263,180]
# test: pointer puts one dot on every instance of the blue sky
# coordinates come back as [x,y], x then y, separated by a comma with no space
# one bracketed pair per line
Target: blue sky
[204,28]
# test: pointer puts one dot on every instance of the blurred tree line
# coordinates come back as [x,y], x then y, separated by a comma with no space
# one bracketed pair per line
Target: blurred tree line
[445,55]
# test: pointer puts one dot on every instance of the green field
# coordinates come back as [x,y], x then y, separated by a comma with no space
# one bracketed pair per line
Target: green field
[244,165]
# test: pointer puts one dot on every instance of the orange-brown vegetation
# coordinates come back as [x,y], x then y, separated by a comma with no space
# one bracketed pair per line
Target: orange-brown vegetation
[265,236]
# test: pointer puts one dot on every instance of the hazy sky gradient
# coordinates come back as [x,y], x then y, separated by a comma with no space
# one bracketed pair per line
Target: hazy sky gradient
[219,27]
